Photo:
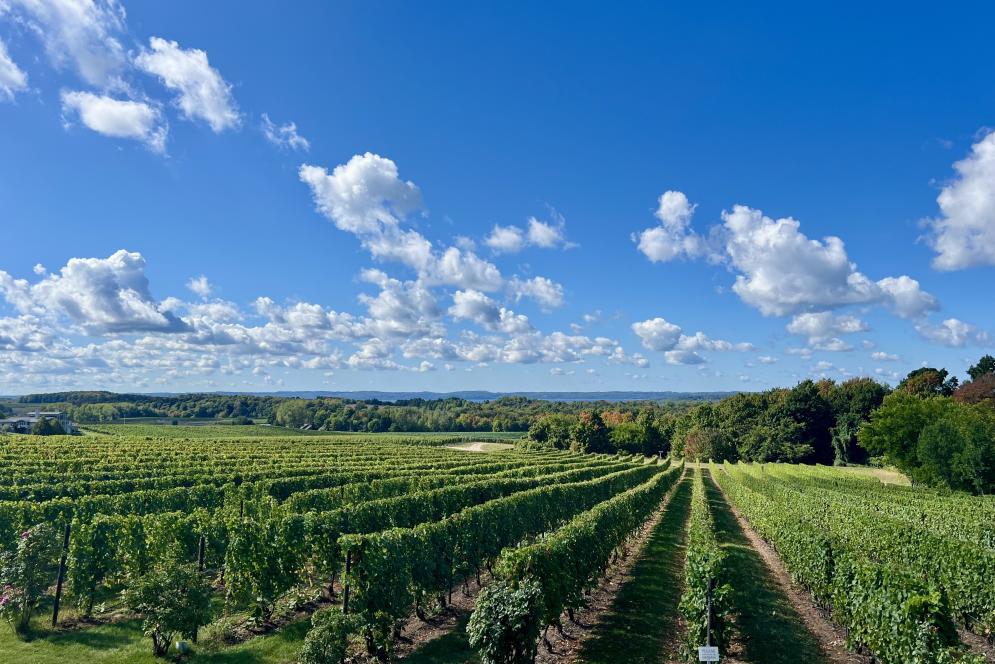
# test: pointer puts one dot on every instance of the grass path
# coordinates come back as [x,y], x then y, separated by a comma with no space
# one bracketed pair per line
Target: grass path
[124,643]
[770,631]
[642,622]
[452,648]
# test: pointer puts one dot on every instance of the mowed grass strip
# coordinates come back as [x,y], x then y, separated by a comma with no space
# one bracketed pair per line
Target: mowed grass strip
[768,627]
[124,643]
[642,622]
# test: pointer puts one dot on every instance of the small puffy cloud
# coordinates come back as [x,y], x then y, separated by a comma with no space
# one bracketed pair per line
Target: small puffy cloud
[662,335]
[546,292]
[882,356]
[904,297]
[201,92]
[12,78]
[117,118]
[284,136]
[659,334]
[80,33]
[952,332]
[963,235]
[477,307]
[506,239]
[363,196]
[673,238]
[831,345]
[767,359]
[660,245]
[458,267]
[674,210]
[619,356]
[822,327]
[545,235]
[699,341]
[199,285]
[681,356]
[39,269]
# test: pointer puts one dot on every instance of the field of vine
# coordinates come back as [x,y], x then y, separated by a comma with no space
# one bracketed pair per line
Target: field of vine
[907,572]
[382,526]
[399,546]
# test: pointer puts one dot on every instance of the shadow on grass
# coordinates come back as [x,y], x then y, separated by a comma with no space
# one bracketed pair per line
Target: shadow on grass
[770,629]
[453,648]
[643,617]
[103,637]
[280,646]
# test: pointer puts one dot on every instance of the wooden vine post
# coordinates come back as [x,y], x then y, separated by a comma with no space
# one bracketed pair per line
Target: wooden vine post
[62,574]
[345,582]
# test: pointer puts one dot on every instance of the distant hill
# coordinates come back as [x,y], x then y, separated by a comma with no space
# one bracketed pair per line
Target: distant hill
[81,397]
[483,395]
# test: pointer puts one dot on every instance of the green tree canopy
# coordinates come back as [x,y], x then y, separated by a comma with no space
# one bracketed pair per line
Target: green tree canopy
[47,426]
[928,381]
[935,440]
[986,365]
[590,434]
[554,430]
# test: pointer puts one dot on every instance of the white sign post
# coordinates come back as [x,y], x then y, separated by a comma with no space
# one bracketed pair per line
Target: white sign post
[708,654]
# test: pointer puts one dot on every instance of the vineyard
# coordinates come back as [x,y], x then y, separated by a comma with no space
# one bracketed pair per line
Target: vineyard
[399,546]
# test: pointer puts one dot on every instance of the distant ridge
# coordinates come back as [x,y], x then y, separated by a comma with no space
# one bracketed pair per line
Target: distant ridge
[469,395]
[484,395]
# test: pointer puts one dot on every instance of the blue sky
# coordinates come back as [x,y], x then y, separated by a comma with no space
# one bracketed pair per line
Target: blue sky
[686,169]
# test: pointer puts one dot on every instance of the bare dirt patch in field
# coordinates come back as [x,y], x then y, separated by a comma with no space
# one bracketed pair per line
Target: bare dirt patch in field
[481,447]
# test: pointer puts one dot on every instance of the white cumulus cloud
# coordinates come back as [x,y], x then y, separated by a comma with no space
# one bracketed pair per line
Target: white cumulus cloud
[101,295]
[479,308]
[200,285]
[81,33]
[117,118]
[12,78]
[367,198]
[546,292]
[506,239]
[964,234]
[659,334]
[201,92]
[673,238]
[821,329]
[952,332]
[542,234]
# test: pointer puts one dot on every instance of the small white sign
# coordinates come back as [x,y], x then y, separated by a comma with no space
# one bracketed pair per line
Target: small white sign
[708,654]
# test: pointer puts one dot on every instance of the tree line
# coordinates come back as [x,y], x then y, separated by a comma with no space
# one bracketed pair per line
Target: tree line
[510,413]
[937,430]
